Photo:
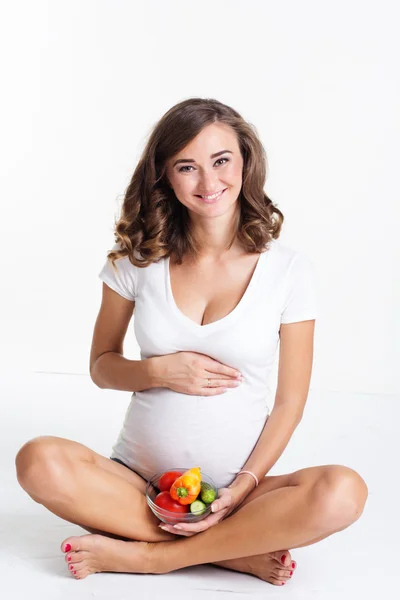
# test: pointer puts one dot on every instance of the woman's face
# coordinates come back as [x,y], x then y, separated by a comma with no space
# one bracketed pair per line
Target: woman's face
[194,172]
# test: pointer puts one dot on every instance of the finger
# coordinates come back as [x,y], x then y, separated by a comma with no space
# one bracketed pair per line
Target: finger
[192,528]
[223,383]
[209,521]
[223,502]
[206,523]
[220,369]
[171,529]
[211,391]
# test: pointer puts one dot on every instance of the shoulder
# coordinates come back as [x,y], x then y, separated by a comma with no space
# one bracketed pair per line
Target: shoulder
[288,259]
[300,284]
[123,276]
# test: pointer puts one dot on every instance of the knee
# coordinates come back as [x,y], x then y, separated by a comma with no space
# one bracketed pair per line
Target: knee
[34,457]
[340,496]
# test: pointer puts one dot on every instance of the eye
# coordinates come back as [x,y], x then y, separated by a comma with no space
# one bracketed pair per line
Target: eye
[181,170]
[227,159]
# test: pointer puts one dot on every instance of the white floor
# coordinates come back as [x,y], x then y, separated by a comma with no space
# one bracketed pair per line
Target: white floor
[359,431]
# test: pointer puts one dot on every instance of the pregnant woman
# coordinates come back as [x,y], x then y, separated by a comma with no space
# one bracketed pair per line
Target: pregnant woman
[197,260]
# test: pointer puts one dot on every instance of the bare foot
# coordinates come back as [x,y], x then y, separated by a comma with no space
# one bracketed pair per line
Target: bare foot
[89,554]
[268,567]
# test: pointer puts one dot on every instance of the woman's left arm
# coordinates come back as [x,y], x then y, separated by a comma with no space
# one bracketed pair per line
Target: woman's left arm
[294,375]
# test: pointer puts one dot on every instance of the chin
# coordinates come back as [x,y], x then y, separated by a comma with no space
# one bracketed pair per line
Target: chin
[217,211]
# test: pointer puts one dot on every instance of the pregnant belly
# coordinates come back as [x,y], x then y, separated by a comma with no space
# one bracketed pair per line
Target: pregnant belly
[165,429]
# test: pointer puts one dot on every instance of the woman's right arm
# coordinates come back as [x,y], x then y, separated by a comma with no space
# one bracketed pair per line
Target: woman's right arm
[109,369]
[113,371]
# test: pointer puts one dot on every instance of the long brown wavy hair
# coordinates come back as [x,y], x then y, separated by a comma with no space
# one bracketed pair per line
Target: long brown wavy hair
[154,224]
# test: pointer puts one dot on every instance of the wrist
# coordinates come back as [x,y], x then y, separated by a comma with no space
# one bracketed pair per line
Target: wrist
[243,483]
[156,371]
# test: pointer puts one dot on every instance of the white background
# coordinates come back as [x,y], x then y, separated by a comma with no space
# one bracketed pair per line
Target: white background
[83,84]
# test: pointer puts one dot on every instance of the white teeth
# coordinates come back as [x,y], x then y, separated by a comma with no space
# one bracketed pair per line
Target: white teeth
[213,196]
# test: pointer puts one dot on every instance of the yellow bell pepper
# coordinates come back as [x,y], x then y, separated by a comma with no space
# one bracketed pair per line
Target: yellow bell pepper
[187,487]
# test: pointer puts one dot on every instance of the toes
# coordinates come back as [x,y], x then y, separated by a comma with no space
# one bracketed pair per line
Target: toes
[75,571]
[80,570]
[279,577]
[283,557]
[282,574]
[80,567]
[77,552]
[276,581]
[83,574]
[75,557]
[82,542]
[71,543]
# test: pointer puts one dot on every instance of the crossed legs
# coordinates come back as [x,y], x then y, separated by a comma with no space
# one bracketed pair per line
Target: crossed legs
[101,495]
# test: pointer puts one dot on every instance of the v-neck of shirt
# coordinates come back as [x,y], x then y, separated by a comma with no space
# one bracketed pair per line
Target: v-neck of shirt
[215,325]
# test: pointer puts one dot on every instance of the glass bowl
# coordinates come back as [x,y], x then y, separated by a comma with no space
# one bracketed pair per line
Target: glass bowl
[172,518]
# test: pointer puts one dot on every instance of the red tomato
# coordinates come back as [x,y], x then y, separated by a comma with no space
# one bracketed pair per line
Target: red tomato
[167,479]
[164,500]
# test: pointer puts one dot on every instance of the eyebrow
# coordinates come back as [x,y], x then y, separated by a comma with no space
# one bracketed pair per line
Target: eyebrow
[184,160]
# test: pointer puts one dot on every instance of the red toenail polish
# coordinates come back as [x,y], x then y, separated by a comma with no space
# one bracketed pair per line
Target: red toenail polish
[74,572]
[291,573]
[67,548]
[71,568]
[283,558]
[283,583]
[293,565]
[69,558]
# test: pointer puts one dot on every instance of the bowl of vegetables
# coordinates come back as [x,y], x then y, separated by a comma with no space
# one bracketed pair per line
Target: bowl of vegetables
[181,495]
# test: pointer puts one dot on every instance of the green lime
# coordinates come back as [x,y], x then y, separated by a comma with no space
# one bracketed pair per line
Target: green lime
[207,493]
[198,507]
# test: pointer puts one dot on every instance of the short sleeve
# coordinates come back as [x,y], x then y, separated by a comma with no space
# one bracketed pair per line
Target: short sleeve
[301,301]
[123,281]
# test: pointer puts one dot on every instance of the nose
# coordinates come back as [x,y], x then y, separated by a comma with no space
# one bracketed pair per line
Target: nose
[209,184]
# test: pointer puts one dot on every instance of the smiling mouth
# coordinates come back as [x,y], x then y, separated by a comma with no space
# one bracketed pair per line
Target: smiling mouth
[212,198]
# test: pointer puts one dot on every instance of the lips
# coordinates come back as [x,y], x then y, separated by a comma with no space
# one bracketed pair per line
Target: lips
[211,200]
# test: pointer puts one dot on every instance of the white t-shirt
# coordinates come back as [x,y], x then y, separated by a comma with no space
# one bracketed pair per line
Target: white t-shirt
[164,429]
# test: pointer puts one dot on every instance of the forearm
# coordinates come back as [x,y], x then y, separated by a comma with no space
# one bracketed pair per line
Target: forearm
[115,372]
[274,438]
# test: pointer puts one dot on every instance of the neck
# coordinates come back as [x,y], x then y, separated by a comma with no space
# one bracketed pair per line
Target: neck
[214,235]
